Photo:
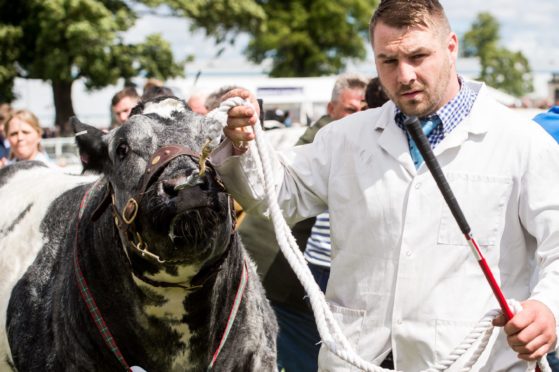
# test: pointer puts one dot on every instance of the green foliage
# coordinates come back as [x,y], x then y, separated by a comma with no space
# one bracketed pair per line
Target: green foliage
[311,37]
[506,70]
[483,36]
[63,40]
[500,68]
[10,37]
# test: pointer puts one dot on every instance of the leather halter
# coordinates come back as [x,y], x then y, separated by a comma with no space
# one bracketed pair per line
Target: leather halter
[125,220]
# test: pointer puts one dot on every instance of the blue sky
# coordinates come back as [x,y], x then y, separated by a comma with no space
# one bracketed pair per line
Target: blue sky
[530,27]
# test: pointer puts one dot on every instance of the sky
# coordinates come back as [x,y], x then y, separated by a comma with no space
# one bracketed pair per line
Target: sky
[530,27]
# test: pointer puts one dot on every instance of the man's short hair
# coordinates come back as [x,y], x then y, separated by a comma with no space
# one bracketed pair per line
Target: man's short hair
[126,92]
[214,99]
[155,91]
[409,13]
[374,94]
[348,81]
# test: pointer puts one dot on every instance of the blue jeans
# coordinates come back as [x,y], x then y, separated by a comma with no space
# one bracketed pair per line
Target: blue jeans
[553,362]
[298,338]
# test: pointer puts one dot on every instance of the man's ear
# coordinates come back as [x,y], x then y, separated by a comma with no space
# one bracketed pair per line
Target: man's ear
[330,108]
[93,151]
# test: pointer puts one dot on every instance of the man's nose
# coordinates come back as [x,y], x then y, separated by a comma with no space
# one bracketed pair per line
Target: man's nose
[406,73]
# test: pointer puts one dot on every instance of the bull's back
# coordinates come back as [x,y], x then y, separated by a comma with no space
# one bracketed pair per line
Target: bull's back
[27,191]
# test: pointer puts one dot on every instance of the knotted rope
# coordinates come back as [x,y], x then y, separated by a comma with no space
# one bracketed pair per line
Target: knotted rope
[327,326]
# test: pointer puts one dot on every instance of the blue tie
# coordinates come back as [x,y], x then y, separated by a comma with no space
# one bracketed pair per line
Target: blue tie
[427,124]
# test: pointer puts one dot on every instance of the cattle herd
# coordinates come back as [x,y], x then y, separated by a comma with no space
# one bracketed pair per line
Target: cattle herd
[134,265]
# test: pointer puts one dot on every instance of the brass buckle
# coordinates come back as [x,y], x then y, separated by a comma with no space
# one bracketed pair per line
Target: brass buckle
[142,247]
[134,205]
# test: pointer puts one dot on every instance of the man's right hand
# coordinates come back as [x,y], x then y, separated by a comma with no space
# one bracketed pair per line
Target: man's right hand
[240,120]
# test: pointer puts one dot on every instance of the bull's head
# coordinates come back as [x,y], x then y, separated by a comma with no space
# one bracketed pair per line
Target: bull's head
[171,209]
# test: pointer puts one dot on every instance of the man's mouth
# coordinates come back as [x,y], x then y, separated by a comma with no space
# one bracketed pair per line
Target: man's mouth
[411,94]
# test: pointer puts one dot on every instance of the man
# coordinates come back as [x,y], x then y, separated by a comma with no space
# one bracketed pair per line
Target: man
[402,279]
[347,98]
[122,103]
[298,338]
[196,102]
[5,112]
[550,121]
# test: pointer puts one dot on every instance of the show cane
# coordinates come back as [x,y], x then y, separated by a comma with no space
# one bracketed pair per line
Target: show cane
[413,126]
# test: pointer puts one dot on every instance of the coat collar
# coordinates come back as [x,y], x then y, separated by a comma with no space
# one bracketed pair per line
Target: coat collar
[393,140]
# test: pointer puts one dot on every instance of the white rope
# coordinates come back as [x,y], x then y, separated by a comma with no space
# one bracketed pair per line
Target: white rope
[329,330]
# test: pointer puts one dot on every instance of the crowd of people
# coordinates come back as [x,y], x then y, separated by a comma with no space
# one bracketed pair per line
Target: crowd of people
[363,207]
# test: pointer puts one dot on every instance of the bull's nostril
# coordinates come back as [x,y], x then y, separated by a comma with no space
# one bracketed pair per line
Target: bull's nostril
[169,188]
[193,180]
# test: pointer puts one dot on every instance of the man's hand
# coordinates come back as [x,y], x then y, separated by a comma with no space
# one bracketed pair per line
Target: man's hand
[531,333]
[240,120]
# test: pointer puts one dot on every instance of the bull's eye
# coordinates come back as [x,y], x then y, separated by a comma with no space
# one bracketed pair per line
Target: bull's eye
[122,150]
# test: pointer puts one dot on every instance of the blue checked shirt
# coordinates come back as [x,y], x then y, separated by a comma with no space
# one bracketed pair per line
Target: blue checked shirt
[450,114]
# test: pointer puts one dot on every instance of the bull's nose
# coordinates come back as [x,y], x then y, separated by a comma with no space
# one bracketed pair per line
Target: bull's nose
[172,186]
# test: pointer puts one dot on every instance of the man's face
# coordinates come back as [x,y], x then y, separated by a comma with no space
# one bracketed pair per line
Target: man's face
[349,102]
[123,107]
[416,67]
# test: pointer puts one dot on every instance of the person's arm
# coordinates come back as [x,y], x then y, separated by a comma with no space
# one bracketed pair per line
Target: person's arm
[533,331]
[297,172]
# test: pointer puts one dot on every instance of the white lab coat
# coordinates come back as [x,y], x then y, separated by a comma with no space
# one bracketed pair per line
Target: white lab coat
[403,277]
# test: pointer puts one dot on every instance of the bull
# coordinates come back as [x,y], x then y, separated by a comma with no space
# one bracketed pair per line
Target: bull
[137,268]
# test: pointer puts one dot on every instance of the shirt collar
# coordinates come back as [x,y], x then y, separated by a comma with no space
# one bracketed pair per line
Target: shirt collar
[453,112]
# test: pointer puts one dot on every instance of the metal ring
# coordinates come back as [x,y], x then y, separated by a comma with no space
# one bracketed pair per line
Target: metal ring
[134,203]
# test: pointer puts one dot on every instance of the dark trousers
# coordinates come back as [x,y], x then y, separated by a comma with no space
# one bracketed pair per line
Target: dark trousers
[298,338]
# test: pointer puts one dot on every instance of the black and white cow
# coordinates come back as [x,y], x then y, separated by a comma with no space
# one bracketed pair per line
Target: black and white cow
[148,250]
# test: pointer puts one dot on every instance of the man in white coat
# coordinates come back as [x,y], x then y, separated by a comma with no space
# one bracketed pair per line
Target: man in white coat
[403,281]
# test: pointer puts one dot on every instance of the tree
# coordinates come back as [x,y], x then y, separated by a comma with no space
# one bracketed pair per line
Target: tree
[311,37]
[301,37]
[64,40]
[500,68]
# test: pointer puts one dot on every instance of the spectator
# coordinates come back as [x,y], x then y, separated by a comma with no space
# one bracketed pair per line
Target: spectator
[197,101]
[122,103]
[347,98]
[5,112]
[214,99]
[374,94]
[403,283]
[156,91]
[24,134]
[550,122]
[152,83]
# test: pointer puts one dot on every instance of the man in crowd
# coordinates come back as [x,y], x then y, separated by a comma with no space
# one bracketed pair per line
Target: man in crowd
[122,103]
[403,284]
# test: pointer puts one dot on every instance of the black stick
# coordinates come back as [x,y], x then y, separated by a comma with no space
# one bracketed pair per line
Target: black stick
[413,127]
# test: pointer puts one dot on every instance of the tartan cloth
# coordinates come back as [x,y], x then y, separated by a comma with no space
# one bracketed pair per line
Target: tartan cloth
[86,295]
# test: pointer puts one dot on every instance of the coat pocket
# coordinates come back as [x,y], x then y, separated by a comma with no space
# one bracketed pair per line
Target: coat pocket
[351,323]
[482,199]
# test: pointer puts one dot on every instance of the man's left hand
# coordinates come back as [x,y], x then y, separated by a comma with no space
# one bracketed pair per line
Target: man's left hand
[531,332]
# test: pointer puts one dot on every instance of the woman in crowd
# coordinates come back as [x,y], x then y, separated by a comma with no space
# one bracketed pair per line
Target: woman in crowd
[23,131]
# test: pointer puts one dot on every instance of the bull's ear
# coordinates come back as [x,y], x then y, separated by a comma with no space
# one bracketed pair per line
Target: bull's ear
[93,150]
